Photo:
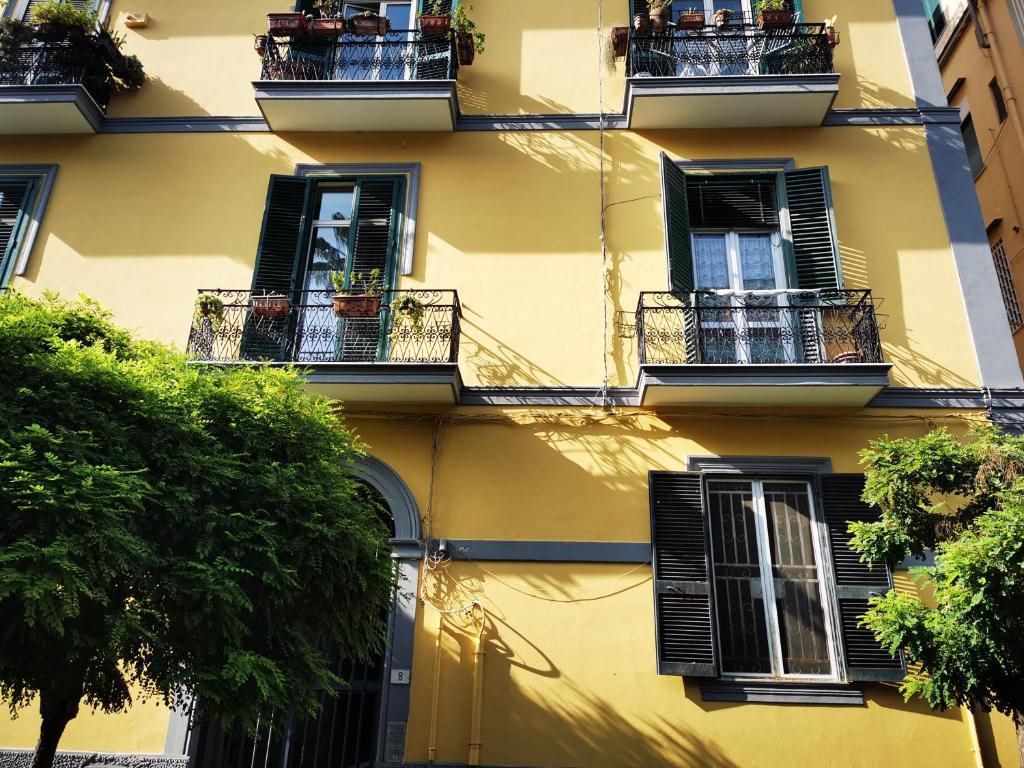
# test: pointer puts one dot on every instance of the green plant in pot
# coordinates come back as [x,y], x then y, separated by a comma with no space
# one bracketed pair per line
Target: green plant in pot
[60,19]
[468,39]
[13,34]
[775,14]
[409,308]
[434,21]
[361,297]
[210,309]
[661,15]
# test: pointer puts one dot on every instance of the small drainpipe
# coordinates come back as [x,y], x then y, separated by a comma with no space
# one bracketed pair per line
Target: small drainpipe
[1009,95]
[436,695]
[972,729]
[476,723]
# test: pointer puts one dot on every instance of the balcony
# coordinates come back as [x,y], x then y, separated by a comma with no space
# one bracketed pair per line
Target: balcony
[401,81]
[776,348]
[731,76]
[406,350]
[50,87]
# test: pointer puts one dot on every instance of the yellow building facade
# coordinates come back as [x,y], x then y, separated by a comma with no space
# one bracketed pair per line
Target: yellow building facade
[628,305]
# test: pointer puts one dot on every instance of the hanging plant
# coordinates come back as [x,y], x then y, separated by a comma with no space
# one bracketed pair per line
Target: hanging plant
[409,308]
[210,309]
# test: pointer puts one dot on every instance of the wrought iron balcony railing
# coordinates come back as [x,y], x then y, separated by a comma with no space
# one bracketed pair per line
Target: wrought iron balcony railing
[758,327]
[58,63]
[398,55]
[408,327]
[731,50]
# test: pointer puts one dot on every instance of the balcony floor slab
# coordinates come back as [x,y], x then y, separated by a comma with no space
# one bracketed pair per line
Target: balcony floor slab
[48,109]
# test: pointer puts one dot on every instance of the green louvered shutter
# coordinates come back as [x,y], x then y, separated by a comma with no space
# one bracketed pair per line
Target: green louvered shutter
[15,192]
[856,582]
[813,240]
[640,6]
[375,237]
[277,266]
[678,244]
[684,618]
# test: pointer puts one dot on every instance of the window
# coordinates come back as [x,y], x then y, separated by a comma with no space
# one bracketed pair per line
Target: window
[767,584]
[936,18]
[997,97]
[1007,287]
[754,576]
[974,158]
[24,191]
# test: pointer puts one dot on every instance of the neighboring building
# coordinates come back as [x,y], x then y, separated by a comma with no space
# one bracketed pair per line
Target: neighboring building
[980,49]
[676,297]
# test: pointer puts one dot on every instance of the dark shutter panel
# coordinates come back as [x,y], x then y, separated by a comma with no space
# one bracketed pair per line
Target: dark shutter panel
[855,581]
[678,245]
[682,580]
[638,6]
[14,194]
[277,267]
[732,201]
[374,245]
[815,245]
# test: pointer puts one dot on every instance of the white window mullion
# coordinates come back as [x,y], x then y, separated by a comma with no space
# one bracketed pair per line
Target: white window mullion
[767,578]
[820,534]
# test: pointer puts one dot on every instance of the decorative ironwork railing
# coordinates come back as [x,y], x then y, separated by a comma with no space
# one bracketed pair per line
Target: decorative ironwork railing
[406,327]
[733,49]
[58,63]
[758,327]
[397,55]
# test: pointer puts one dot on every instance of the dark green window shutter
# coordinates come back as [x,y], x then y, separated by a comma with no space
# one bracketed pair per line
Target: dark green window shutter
[684,619]
[814,244]
[15,194]
[638,6]
[856,582]
[278,260]
[375,240]
[678,245]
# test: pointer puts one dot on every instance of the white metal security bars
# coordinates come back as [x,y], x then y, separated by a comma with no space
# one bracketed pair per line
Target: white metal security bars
[768,588]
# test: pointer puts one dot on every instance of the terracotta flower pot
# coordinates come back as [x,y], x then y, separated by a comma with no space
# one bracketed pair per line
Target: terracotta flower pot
[466,48]
[374,26]
[271,306]
[849,357]
[691,21]
[620,40]
[286,24]
[660,19]
[723,17]
[327,27]
[775,19]
[362,305]
[260,45]
[435,26]
[832,35]
[642,23]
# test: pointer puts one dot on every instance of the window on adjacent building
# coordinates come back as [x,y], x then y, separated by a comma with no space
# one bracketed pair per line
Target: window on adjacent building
[974,157]
[1007,286]
[997,97]
[936,18]
[755,578]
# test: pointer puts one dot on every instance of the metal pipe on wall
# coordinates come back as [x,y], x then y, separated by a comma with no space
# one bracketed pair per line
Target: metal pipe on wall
[1009,96]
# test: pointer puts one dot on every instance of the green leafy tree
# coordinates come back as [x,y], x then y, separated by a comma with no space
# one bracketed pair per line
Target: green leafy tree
[171,531]
[965,500]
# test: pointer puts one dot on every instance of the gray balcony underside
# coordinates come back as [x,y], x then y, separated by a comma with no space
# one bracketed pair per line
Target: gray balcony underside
[48,109]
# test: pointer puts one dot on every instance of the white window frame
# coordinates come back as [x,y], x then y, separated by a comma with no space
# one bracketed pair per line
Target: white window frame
[818,532]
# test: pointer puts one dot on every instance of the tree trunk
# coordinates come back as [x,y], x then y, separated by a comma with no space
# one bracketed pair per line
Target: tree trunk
[57,711]
[1019,720]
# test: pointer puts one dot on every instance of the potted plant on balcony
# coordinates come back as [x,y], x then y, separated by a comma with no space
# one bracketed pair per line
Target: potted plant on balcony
[831,33]
[408,308]
[691,18]
[13,34]
[209,308]
[620,41]
[274,305]
[433,22]
[723,17]
[331,23]
[363,304]
[287,24]
[61,20]
[260,45]
[468,40]
[642,22]
[661,15]
[775,15]
[369,23]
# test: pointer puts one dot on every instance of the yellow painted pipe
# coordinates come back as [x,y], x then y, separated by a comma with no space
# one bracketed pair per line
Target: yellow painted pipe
[436,694]
[972,729]
[476,723]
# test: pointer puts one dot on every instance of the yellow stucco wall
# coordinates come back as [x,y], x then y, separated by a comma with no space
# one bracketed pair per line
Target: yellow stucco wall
[541,57]
[179,212]
[142,729]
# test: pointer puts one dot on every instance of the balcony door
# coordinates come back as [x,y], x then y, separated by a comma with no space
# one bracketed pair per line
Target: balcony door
[740,277]
[726,51]
[379,57]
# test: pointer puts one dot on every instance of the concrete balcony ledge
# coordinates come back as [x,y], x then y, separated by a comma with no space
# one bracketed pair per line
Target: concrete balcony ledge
[812,385]
[48,109]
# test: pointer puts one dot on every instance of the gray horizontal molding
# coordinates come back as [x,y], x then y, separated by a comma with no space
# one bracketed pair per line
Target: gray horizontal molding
[781,693]
[354,89]
[908,397]
[22,758]
[76,95]
[803,465]
[549,396]
[550,551]
[577,122]
[849,374]
[185,125]
[911,116]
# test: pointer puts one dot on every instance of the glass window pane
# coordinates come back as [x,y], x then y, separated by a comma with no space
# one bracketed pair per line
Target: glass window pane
[798,598]
[328,254]
[757,262]
[974,157]
[712,262]
[742,628]
[400,15]
[335,205]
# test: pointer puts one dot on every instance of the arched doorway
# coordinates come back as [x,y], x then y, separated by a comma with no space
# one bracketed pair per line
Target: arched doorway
[365,722]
